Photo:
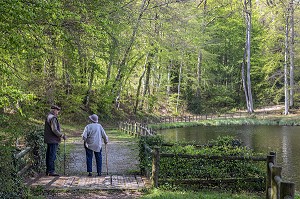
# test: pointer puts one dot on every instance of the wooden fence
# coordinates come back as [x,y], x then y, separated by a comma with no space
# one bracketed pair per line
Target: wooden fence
[157,156]
[210,116]
[191,118]
[22,157]
[135,129]
[276,188]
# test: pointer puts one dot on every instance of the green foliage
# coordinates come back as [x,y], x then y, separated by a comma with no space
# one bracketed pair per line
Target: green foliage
[144,155]
[203,194]
[11,185]
[69,52]
[36,140]
[179,168]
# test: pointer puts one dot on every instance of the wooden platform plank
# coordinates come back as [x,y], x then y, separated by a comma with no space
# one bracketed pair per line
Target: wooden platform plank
[140,182]
[91,183]
[81,182]
[70,180]
[60,182]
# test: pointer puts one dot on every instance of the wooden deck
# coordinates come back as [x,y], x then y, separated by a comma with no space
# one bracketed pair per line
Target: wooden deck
[110,182]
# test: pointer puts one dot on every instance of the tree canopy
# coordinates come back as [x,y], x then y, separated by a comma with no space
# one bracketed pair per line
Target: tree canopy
[143,56]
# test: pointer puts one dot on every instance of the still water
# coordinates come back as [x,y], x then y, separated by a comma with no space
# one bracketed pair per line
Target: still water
[284,140]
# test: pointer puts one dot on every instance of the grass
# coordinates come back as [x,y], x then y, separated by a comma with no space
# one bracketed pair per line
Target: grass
[235,121]
[116,135]
[164,194]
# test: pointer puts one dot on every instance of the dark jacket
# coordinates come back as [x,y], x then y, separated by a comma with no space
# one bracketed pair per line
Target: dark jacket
[52,134]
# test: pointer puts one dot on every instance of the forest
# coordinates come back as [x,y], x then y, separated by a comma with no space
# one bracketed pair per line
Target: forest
[120,58]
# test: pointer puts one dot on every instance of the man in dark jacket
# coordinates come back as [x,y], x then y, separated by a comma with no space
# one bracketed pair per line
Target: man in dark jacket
[52,137]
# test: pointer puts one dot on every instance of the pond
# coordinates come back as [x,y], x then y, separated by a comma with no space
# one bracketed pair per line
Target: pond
[284,140]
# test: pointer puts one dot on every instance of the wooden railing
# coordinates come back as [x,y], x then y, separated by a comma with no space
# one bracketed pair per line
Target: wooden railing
[210,116]
[21,157]
[135,129]
[276,188]
[157,156]
[191,118]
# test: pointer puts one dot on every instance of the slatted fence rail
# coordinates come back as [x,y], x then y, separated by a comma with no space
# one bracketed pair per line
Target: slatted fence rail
[157,156]
[136,129]
[22,157]
[276,188]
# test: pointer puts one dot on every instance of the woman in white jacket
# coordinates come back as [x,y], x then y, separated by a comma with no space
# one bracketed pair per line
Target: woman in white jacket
[93,135]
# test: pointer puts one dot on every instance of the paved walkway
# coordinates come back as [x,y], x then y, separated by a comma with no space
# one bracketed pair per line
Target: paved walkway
[120,172]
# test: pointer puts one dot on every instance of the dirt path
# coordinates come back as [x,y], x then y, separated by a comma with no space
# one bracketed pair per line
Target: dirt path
[122,155]
[122,158]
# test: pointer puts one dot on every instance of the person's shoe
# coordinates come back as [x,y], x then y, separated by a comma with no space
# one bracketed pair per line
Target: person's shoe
[53,174]
[90,174]
[99,174]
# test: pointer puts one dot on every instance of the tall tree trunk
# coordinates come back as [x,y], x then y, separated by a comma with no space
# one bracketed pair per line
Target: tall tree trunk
[247,7]
[66,76]
[112,53]
[286,89]
[139,86]
[122,65]
[50,70]
[179,85]
[147,80]
[244,83]
[169,78]
[199,64]
[87,102]
[292,54]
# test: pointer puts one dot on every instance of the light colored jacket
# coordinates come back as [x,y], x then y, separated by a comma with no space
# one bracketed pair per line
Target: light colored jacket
[92,135]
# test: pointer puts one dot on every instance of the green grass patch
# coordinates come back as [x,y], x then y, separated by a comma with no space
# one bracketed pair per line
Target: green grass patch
[117,135]
[165,194]
[233,121]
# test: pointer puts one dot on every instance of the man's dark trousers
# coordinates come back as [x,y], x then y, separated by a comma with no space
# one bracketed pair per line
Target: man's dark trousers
[51,157]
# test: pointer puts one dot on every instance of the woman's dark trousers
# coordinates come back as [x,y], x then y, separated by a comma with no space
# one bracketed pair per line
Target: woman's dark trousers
[89,160]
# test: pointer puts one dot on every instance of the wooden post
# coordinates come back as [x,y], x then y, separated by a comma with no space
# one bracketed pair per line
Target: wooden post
[135,130]
[155,166]
[132,127]
[287,190]
[270,159]
[275,181]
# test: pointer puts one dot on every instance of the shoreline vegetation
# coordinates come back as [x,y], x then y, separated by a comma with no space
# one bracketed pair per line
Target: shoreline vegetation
[281,121]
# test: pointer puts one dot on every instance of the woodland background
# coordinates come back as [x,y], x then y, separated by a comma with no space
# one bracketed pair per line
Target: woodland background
[122,58]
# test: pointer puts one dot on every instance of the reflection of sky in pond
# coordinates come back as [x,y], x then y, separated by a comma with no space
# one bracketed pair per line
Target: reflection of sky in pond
[284,140]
